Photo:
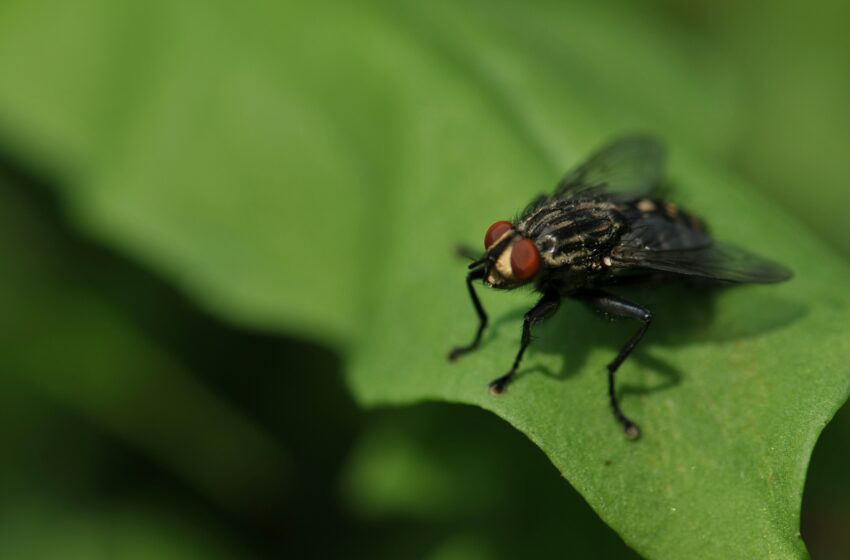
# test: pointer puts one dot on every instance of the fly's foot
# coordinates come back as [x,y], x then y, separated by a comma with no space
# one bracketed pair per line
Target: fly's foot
[498,386]
[458,352]
[631,429]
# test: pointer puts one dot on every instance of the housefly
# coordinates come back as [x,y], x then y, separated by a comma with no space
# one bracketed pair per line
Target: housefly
[604,224]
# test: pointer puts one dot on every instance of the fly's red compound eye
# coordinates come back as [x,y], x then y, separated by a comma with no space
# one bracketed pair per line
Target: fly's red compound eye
[496,231]
[525,260]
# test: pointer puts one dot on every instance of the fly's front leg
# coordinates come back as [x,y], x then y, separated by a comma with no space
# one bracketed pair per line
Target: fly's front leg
[618,307]
[544,309]
[467,252]
[482,316]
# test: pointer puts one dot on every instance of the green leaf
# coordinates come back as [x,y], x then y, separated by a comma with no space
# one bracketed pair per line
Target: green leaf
[69,343]
[312,167]
[792,121]
[456,486]
[35,528]
[254,154]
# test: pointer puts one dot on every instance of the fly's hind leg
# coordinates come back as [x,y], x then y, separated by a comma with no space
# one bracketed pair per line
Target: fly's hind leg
[618,307]
[544,309]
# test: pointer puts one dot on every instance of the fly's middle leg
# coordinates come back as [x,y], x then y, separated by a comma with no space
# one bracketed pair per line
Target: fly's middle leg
[544,309]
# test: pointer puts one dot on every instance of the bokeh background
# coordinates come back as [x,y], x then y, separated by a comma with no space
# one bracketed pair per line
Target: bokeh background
[177,311]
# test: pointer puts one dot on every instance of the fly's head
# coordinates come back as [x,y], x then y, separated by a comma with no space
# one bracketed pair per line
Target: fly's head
[511,259]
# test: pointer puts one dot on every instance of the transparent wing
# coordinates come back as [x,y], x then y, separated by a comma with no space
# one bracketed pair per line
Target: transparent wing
[629,165]
[677,249]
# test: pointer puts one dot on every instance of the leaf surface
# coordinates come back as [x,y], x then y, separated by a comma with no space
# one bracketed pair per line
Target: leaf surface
[311,169]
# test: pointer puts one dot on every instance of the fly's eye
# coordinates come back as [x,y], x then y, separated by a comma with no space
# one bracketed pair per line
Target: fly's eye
[525,260]
[496,231]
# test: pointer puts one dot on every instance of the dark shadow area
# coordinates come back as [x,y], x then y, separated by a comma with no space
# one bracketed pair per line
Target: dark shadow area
[825,516]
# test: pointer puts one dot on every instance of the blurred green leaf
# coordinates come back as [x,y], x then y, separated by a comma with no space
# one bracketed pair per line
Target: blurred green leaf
[33,528]
[311,168]
[252,152]
[793,76]
[68,343]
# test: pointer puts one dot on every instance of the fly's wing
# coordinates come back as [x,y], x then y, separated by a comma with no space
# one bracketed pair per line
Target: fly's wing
[671,247]
[630,165]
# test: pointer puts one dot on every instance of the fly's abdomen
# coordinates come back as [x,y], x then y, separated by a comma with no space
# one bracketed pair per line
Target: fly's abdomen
[650,208]
[660,226]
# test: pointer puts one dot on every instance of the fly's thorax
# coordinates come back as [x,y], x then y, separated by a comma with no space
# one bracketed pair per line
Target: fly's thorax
[574,235]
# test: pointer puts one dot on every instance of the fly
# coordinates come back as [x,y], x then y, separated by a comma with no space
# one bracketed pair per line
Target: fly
[604,224]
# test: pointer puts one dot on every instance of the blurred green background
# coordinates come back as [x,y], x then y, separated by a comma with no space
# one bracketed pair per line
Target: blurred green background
[171,385]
